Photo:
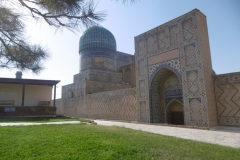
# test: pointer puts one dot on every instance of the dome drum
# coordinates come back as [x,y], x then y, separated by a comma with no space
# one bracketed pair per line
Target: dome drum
[98,52]
[99,63]
[97,44]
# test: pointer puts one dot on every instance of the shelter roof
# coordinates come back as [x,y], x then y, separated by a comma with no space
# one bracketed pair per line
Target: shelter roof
[29,81]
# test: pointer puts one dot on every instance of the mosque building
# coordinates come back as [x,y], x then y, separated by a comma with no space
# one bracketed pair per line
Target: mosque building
[168,80]
[102,68]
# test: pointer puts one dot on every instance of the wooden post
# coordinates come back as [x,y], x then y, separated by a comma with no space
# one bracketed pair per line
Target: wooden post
[54,96]
[23,94]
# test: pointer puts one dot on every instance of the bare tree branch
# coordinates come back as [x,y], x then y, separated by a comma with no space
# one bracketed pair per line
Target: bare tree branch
[15,52]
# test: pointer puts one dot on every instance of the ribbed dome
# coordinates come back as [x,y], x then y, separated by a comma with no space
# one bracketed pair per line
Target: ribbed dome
[97,37]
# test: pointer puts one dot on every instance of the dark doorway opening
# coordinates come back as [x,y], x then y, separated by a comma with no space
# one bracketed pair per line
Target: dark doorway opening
[176,113]
[177,118]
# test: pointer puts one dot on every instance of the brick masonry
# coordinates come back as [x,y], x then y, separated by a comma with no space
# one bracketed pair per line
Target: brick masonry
[187,37]
[113,105]
[227,90]
[171,71]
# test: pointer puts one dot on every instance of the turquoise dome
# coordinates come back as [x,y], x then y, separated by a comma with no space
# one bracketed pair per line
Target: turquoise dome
[97,37]
[97,49]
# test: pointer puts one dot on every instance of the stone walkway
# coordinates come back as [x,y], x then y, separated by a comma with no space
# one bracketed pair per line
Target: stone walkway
[230,139]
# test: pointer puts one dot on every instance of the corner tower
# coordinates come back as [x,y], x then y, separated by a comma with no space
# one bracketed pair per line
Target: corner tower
[97,49]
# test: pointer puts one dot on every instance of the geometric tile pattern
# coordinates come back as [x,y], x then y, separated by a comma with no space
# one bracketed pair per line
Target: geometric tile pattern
[123,59]
[172,83]
[156,112]
[156,97]
[98,75]
[165,88]
[190,55]
[162,40]
[187,33]
[102,63]
[195,110]
[227,90]
[96,87]
[174,63]
[188,30]
[185,79]
[142,88]
[141,68]
[141,48]
[192,78]
[172,91]
[173,30]
[151,43]
[113,105]
[142,110]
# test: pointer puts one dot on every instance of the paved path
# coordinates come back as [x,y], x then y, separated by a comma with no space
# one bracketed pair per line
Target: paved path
[32,123]
[231,139]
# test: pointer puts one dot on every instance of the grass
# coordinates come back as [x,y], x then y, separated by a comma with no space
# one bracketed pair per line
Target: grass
[41,119]
[99,142]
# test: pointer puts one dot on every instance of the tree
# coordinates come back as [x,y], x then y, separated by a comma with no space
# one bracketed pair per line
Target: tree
[15,51]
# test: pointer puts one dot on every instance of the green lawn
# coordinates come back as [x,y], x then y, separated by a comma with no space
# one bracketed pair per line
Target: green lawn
[41,119]
[100,142]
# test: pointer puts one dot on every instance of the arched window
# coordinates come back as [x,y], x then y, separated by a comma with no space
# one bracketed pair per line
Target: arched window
[127,75]
[109,78]
[120,71]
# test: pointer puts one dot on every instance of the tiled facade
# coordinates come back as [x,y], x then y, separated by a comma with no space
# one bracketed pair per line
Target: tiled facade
[128,74]
[113,105]
[227,90]
[168,80]
[179,47]
[105,86]
[123,59]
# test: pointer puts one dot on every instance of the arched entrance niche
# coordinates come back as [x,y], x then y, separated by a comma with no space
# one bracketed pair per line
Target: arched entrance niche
[174,112]
[165,95]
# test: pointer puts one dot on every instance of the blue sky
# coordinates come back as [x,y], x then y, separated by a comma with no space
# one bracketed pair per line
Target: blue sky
[130,20]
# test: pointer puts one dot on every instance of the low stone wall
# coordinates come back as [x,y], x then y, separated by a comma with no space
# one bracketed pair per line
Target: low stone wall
[112,105]
[227,91]
[19,111]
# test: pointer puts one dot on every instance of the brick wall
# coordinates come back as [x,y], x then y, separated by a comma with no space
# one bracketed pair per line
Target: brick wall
[112,105]
[96,87]
[227,92]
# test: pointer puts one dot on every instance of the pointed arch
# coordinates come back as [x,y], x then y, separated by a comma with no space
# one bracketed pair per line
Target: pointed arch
[174,112]
[165,88]
[127,75]
[121,71]
[172,102]
[163,66]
